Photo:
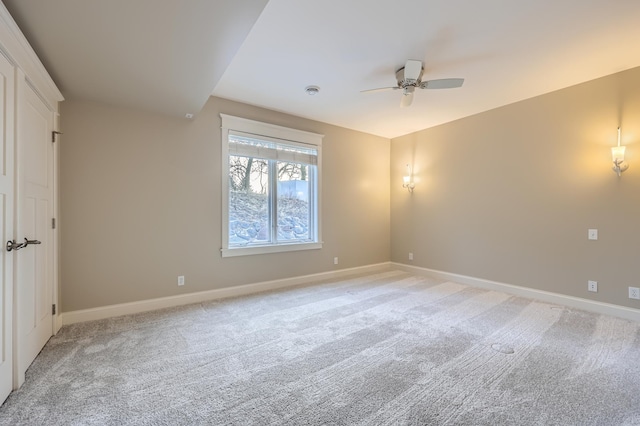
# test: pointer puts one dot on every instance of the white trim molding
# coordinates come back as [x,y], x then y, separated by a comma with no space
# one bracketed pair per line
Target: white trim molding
[545,296]
[110,311]
[23,55]
[274,248]
[203,296]
[57,323]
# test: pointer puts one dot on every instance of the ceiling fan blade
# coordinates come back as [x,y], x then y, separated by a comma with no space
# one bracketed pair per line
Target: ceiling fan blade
[412,69]
[444,83]
[406,100]
[381,89]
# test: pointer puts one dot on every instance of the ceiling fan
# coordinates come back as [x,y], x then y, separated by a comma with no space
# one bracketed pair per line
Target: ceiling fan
[410,77]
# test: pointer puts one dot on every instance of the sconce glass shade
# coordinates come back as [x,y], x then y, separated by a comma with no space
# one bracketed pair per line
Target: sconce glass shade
[407,181]
[617,152]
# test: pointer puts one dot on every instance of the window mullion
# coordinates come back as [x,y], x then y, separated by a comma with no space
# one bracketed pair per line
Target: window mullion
[273,200]
[313,229]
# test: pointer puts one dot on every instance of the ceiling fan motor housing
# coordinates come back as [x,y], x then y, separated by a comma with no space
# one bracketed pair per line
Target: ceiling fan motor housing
[404,83]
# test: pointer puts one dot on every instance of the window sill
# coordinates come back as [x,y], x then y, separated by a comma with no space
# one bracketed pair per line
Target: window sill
[280,248]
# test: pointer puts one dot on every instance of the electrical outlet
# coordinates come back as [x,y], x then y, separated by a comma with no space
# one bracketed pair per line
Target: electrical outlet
[593,234]
[592,286]
[181,280]
[634,293]
[410,256]
[335,260]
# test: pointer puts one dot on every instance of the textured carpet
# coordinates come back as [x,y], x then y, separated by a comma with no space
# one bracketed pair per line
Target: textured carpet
[383,349]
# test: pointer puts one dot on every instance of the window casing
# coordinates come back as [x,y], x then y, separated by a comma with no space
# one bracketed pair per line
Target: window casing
[270,188]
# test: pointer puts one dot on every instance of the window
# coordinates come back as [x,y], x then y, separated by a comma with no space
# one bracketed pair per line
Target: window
[270,187]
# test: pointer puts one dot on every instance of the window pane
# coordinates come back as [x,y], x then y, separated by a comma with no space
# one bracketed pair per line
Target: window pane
[248,201]
[294,191]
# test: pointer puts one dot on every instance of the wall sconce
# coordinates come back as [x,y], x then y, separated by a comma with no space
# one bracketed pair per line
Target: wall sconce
[407,180]
[617,152]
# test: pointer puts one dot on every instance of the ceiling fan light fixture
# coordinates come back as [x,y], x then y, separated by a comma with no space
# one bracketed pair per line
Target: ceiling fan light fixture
[406,100]
[312,90]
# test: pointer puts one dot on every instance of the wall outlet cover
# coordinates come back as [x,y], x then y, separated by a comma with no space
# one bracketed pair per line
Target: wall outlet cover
[592,286]
[634,293]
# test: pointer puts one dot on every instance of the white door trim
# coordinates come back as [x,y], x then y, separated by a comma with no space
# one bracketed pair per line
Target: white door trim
[29,70]
[7,189]
[57,318]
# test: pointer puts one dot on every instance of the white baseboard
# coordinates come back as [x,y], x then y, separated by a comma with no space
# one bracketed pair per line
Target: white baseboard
[57,323]
[202,296]
[546,296]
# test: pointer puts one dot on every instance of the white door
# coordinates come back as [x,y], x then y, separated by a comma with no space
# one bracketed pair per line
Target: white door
[34,272]
[7,78]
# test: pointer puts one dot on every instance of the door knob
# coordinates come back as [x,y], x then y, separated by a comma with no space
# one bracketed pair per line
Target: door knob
[12,245]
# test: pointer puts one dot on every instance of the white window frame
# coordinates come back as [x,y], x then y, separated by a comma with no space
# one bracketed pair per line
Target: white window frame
[266,130]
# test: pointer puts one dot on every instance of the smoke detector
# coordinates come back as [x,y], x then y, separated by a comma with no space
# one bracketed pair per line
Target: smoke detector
[312,90]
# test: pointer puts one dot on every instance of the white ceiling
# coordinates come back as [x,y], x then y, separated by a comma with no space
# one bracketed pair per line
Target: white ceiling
[168,55]
[160,55]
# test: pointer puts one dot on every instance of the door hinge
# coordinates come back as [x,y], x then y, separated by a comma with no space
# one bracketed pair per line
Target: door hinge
[54,134]
[53,309]
[53,223]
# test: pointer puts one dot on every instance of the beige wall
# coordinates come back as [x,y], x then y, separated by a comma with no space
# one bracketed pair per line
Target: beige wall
[140,204]
[508,195]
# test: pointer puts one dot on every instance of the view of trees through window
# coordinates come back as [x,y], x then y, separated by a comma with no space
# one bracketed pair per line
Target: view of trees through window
[252,214]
